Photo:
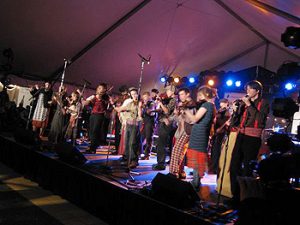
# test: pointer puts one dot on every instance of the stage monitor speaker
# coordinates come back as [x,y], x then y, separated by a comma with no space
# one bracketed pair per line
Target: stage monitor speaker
[27,137]
[175,192]
[70,154]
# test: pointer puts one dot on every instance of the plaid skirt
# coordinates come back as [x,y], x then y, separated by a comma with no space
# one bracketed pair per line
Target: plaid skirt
[197,160]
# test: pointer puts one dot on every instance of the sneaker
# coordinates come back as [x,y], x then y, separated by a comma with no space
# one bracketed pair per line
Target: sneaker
[158,167]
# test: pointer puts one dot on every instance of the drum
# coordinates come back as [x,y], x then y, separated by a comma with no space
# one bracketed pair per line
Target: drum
[228,143]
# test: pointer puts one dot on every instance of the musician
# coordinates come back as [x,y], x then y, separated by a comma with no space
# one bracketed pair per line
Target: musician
[41,112]
[220,127]
[148,115]
[254,111]
[203,120]
[99,103]
[154,94]
[73,109]
[123,100]
[56,134]
[165,125]
[182,134]
[132,131]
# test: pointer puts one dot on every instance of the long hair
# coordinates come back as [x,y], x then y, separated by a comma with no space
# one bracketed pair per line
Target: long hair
[208,92]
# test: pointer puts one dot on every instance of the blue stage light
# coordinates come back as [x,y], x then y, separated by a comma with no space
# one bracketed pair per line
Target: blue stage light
[163,79]
[229,83]
[192,80]
[289,86]
[238,83]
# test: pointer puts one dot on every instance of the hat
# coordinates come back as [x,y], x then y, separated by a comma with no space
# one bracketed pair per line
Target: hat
[170,87]
[132,89]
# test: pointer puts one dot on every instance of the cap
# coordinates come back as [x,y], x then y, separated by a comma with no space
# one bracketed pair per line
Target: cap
[132,89]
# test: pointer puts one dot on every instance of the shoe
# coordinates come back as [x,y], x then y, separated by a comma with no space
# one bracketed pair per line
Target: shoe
[145,157]
[133,165]
[122,159]
[158,167]
[182,175]
[196,185]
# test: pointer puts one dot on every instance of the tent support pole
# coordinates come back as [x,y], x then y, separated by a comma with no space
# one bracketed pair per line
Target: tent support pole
[275,11]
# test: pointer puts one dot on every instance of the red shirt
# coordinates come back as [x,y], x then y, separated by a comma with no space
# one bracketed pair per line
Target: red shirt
[99,105]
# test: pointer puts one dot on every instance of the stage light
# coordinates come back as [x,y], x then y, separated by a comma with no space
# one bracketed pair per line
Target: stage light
[238,83]
[184,80]
[229,83]
[192,80]
[289,86]
[170,80]
[176,80]
[163,79]
[291,37]
[211,82]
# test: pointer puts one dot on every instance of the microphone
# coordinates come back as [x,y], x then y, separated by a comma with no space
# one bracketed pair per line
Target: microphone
[67,60]
[87,82]
[246,96]
[144,59]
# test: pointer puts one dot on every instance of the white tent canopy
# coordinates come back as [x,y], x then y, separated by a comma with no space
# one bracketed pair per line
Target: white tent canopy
[182,36]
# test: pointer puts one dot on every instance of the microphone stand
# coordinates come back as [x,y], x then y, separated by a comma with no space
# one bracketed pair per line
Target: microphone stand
[143,60]
[29,115]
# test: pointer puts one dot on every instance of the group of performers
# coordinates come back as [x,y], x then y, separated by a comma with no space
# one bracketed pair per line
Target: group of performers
[192,129]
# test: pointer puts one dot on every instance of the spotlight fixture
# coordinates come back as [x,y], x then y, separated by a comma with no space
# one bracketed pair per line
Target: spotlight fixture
[192,80]
[211,82]
[176,80]
[291,37]
[238,83]
[229,83]
[170,80]
[163,79]
[289,86]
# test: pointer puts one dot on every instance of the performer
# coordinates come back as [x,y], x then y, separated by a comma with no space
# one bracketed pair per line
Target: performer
[132,131]
[203,120]
[73,110]
[254,111]
[40,115]
[154,94]
[182,134]
[165,126]
[221,125]
[148,115]
[99,103]
[121,121]
[56,134]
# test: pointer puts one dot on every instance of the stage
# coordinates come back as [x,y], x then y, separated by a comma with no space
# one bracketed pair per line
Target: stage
[110,193]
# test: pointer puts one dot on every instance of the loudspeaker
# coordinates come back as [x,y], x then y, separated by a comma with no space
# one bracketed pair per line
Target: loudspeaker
[70,154]
[27,137]
[173,191]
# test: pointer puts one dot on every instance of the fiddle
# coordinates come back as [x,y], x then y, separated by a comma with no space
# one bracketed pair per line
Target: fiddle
[163,98]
